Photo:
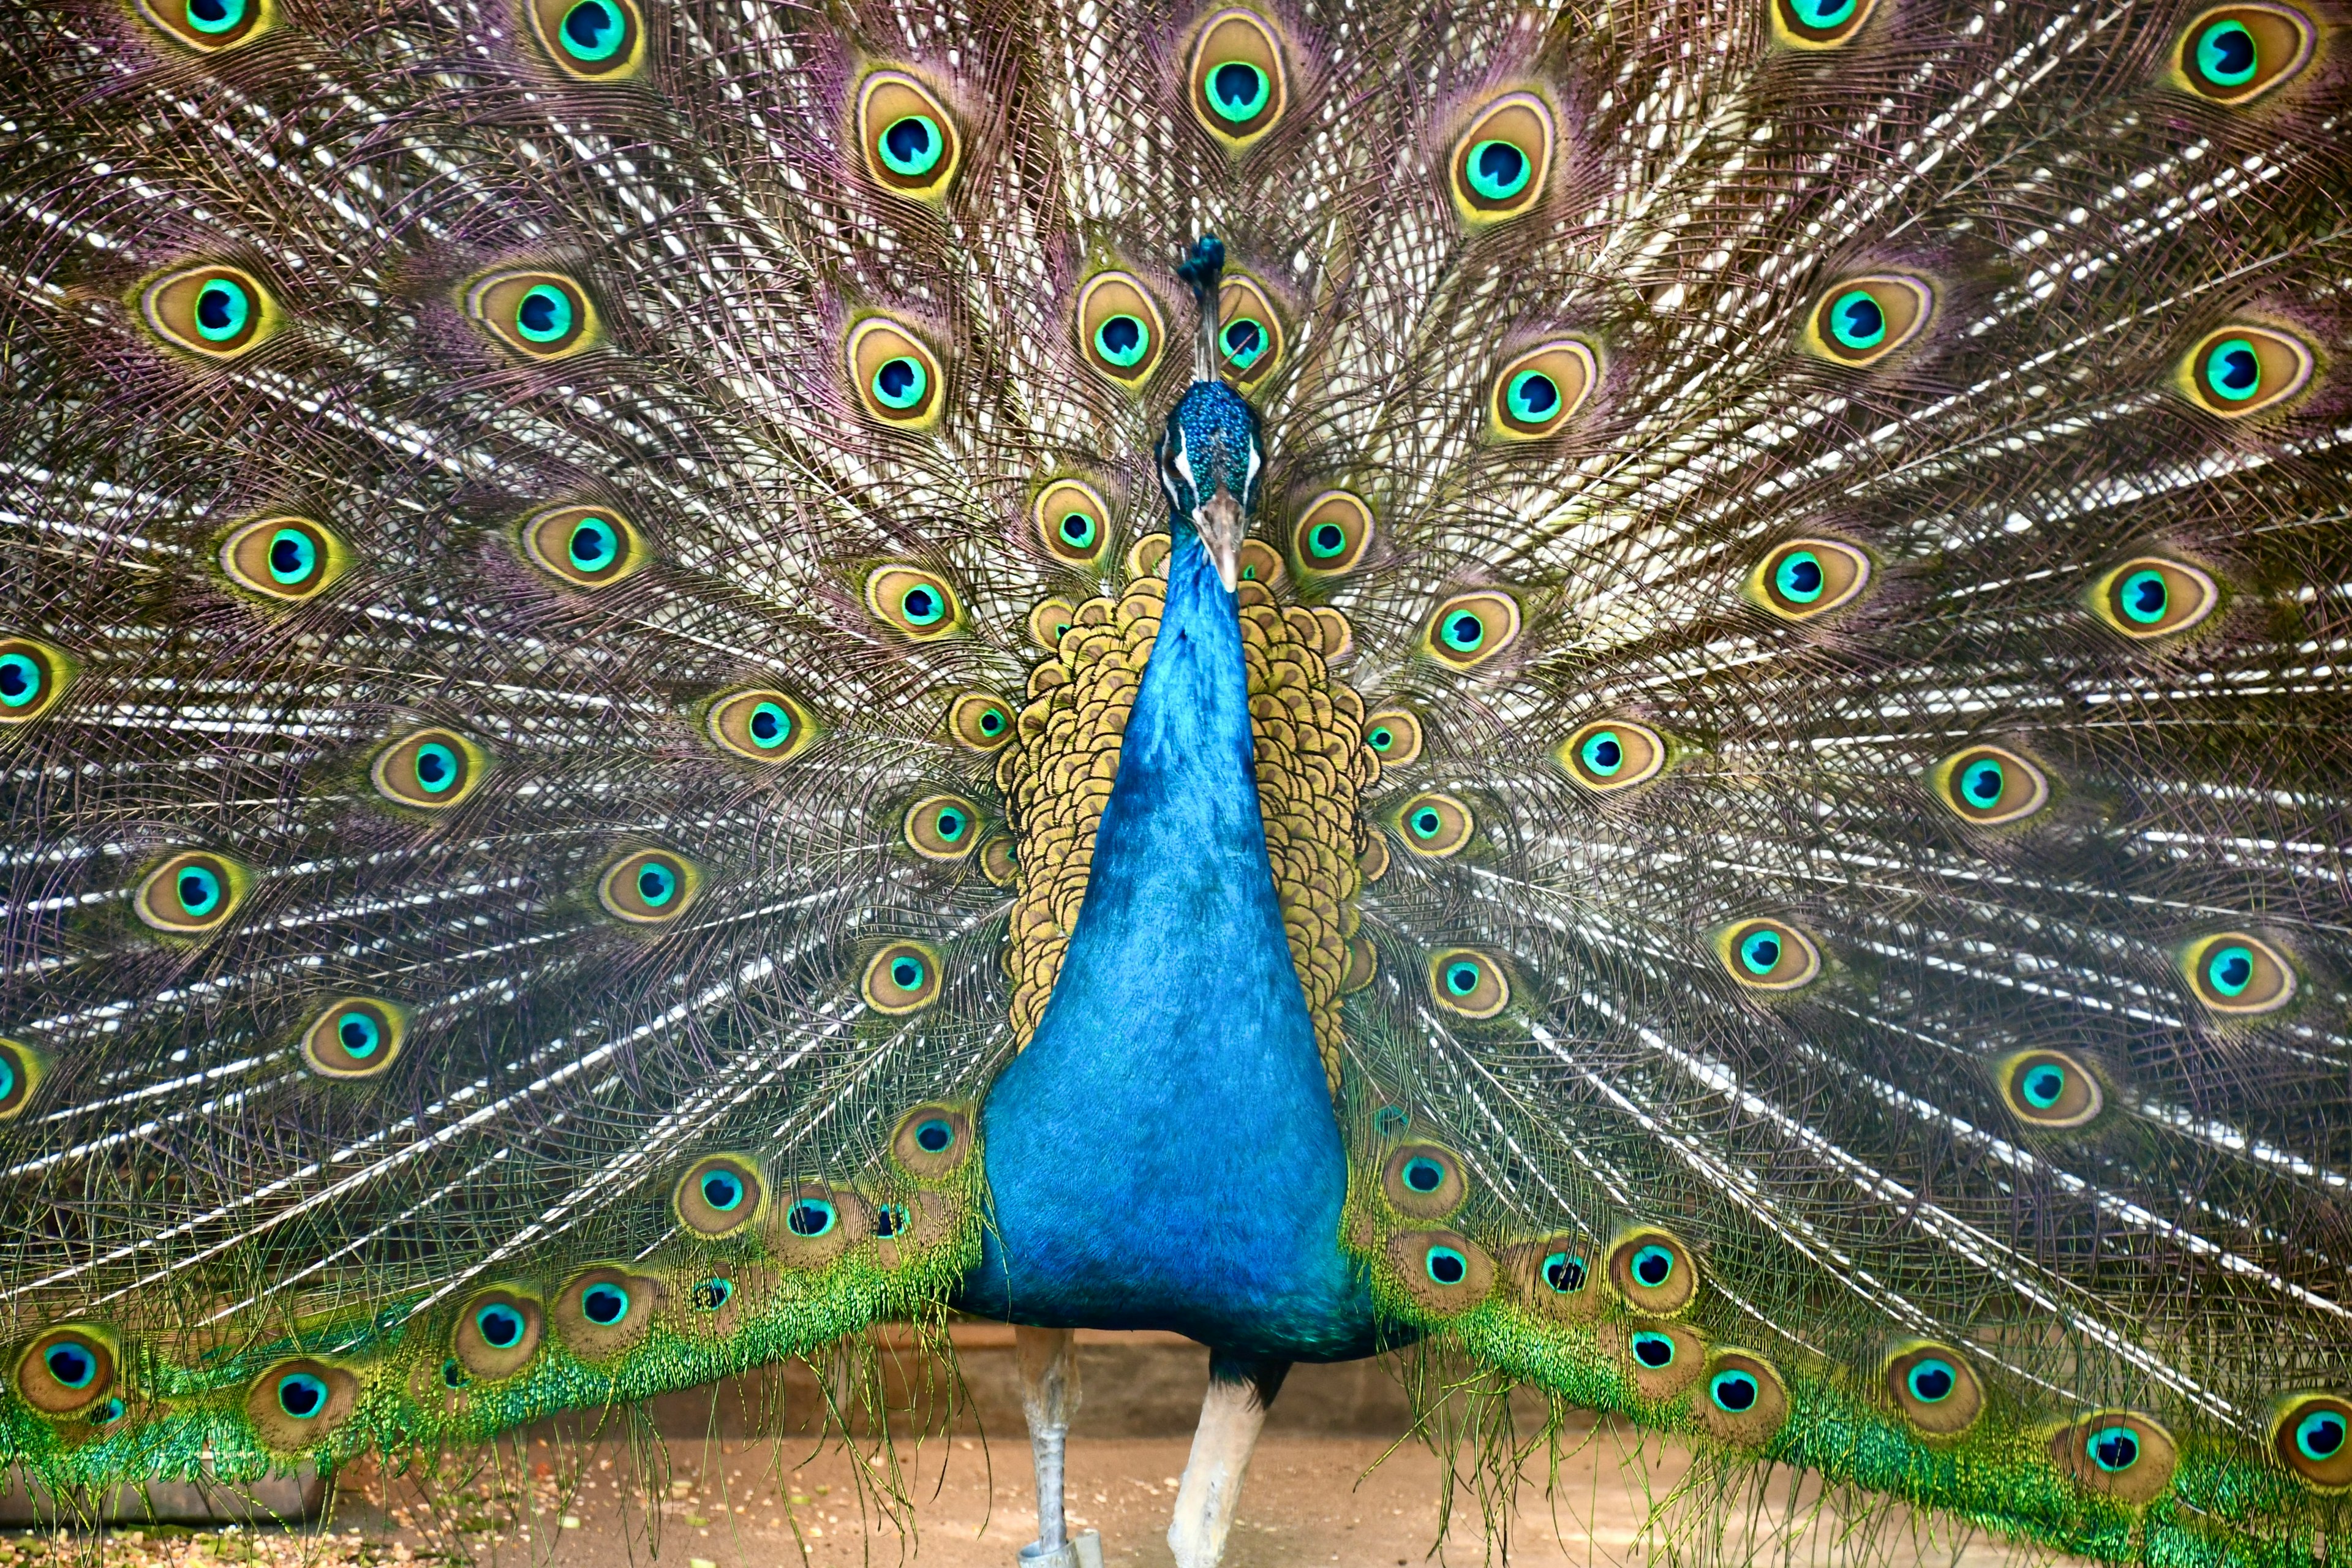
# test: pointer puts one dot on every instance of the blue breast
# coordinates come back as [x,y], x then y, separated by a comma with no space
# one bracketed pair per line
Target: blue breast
[1164,1154]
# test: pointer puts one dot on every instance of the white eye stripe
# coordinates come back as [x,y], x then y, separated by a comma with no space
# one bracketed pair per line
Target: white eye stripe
[1256,463]
[1183,462]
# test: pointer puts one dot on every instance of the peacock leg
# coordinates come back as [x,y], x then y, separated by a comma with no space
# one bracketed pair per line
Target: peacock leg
[1049,1398]
[1241,1387]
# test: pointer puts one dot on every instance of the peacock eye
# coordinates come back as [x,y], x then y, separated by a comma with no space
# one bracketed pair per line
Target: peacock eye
[1072,519]
[904,977]
[980,720]
[66,1371]
[1768,955]
[911,600]
[897,379]
[1332,533]
[543,316]
[2154,597]
[2244,369]
[1809,577]
[284,558]
[1471,628]
[1503,162]
[719,1194]
[1394,735]
[190,894]
[1933,1387]
[1652,1271]
[582,546]
[1818,23]
[1535,393]
[1050,619]
[216,311]
[1120,328]
[1654,1350]
[2238,975]
[2234,54]
[295,1404]
[207,25]
[932,1140]
[1435,826]
[942,827]
[1989,785]
[1861,321]
[910,141]
[1423,1181]
[1239,87]
[2120,1453]
[1465,981]
[760,725]
[2310,1432]
[1249,332]
[650,888]
[2050,1089]
[593,40]
[1608,756]
[21,1070]
[355,1037]
[432,769]
[32,677]
[999,861]
[1746,1402]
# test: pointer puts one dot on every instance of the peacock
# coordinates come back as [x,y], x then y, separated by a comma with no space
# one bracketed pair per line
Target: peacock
[1650,693]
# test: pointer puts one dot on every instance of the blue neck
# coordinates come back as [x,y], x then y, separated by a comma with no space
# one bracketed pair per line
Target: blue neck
[1164,1154]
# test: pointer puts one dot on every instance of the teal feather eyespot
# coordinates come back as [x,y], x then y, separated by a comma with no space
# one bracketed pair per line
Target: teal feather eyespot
[719,1194]
[582,546]
[191,894]
[1990,786]
[432,769]
[354,1039]
[2120,1453]
[943,828]
[1563,1273]
[811,1217]
[912,145]
[1238,91]
[1249,331]
[66,1369]
[1768,955]
[1332,533]
[2242,369]
[1652,1271]
[980,720]
[1468,982]
[712,1294]
[603,1310]
[1442,1271]
[2234,54]
[2238,975]
[286,559]
[2152,596]
[1435,826]
[1861,321]
[904,977]
[298,1404]
[542,316]
[214,312]
[1664,1360]
[1074,521]
[454,1375]
[1933,1387]
[1239,87]
[1813,26]
[589,40]
[1610,756]
[912,602]
[108,1411]
[209,25]
[932,1140]
[1121,333]
[1469,630]
[1394,735]
[1534,395]
[1653,1349]
[898,380]
[1746,1402]
[501,1326]
[649,888]
[498,1331]
[1806,578]
[32,677]
[816,1223]
[21,1070]
[1502,164]
[758,725]
[1423,1181]
[2311,1434]
[2050,1089]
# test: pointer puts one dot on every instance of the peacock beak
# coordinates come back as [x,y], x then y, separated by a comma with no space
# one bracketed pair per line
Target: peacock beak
[1222,527]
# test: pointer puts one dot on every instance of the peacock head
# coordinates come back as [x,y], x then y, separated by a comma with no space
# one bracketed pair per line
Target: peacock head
[1209,465]
[1210,456]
